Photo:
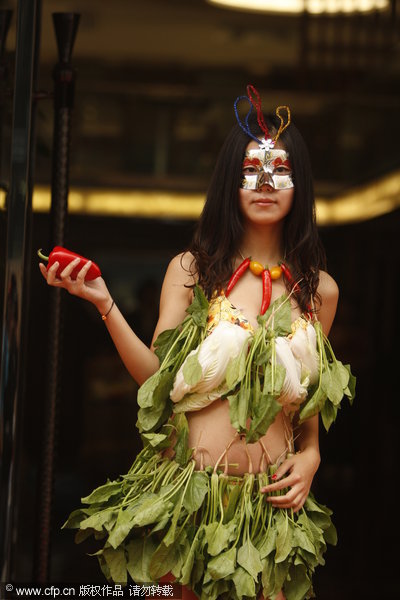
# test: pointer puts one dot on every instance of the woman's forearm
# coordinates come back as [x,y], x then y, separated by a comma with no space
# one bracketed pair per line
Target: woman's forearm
[307,439]
[140,361]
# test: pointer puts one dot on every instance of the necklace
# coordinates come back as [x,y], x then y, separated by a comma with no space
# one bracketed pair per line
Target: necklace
[267,275]
[257,268]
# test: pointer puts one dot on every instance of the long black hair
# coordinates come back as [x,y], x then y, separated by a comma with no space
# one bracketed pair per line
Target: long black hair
[220,228]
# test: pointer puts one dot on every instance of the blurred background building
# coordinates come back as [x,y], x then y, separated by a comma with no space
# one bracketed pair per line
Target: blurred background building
[155,85]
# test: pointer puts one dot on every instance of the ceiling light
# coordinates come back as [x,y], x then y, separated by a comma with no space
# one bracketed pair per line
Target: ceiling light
[367,201]
[299,6]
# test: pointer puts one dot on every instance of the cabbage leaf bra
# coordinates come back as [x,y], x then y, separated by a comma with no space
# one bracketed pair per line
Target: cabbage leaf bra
[216,353]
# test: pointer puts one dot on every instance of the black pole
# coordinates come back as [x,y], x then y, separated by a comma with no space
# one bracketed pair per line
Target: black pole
[15,297]
[66,25]
[5,20]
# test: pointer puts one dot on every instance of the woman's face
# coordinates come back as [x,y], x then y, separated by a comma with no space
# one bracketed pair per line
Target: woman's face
[267,190]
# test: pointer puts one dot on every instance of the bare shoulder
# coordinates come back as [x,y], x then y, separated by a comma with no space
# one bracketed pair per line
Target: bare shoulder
[328,291]
[327,288]
[177,291]
[183,267]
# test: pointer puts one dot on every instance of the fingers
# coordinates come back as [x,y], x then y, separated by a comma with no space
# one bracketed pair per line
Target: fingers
[83,272]
[51,274]
[43,270]
[282,470]
[294,501]
[290,480]
[67,271]
[72,277]
[294,498]
[64,279]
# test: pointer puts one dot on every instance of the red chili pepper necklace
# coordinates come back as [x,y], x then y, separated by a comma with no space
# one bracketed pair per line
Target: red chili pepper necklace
[267,275]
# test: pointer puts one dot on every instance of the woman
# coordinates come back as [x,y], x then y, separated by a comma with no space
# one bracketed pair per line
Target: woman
[241,459]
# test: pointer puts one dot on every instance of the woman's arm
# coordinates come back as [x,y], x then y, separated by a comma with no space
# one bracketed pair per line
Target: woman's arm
[140,360]
[301,468]
[329,292]
[176,296]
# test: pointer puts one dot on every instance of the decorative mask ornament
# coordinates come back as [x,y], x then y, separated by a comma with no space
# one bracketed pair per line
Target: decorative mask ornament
[266,164]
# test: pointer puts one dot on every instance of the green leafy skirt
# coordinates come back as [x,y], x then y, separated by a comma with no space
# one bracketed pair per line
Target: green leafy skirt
[215,533]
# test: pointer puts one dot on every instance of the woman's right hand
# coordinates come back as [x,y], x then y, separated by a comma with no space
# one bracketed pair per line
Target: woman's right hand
[94,291]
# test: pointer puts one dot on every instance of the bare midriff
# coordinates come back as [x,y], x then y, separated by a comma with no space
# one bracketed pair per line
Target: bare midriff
[215,440]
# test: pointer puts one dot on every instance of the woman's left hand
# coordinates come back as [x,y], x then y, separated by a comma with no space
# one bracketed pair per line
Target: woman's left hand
[300,469]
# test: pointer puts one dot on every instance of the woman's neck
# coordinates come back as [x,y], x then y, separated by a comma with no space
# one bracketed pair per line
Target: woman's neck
[262,243]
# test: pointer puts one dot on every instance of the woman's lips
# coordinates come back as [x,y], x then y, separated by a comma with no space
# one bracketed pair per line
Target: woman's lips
[264,201]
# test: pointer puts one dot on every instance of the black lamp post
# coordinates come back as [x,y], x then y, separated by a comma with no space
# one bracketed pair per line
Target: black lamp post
[65,25]
[16,278]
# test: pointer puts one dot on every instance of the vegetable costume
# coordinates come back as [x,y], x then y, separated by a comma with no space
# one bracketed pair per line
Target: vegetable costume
[215,532]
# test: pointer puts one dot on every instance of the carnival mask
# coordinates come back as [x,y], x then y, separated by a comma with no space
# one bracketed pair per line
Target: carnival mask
[267,166]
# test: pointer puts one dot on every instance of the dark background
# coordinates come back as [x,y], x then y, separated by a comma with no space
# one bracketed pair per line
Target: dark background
[155,87]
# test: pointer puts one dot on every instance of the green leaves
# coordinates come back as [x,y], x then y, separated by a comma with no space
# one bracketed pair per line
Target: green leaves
[264,415]
[198,310]
[140,552]
[75,518]
[215,534]
[350,391]
[244,583]
[187,566]
[255,378]
[155,390]
[249,558]
[115,560]
[298,583]
[99,520]
[218,536]
[223,565]
[196,491]
[153,396]
[164,342]
[278,316]
[236,369]
[155,440]
[328,414]
[315,404]
[152,510]
[172,347]
[268,543]
[163,561]
[182,451]
[284,537]
[103,493]
[335,381]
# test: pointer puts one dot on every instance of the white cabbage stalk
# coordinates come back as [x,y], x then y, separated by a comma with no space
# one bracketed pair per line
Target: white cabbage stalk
[293,390]
[214,353]
[197,401]
[303,344]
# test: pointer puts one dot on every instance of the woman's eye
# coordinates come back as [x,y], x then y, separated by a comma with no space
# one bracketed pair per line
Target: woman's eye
[249,171]
[282,171]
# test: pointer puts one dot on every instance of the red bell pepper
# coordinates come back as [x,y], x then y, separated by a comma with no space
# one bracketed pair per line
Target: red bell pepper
[64,257]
